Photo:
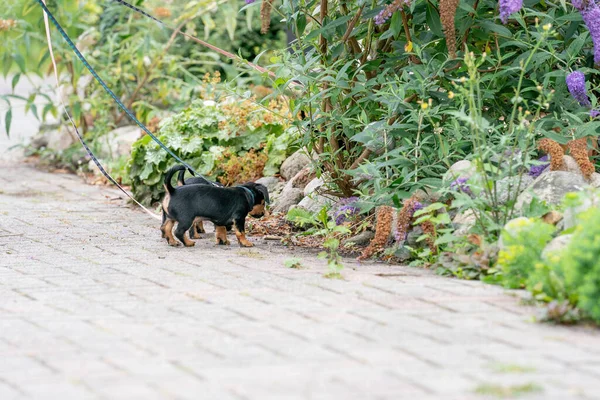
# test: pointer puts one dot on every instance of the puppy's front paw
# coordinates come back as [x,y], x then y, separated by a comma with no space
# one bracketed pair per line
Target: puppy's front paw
[196,235]
[173,243]
[246,244]
[223,242]
[190,244]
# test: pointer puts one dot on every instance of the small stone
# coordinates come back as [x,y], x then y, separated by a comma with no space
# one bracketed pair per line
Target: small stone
[571,165]
[412,236]
[403,254]
[556,245]
[59,139]
[118,142]
[570,216]
[289,197]
[302,178]
[270,182]
[293,164]
[463,222]
[460,169]
[315,202]
[313,185]
[506,187]
[361,239]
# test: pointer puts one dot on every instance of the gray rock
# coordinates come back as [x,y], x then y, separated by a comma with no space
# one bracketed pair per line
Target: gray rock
[313,186]
[289,197]
[403,254]
[463,169]
[551,187]
[412,236]
[270,182]
[556,245]
[570,215]
[510,229]
[571,165]
[361,239]
[463,222]
[595,180]
[118,142]
[315,202]
[302,178]
[59,139]
[293,164]
[506,187]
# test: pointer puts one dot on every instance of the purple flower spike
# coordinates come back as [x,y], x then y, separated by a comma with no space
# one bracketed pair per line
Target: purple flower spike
[590,12]
[250,1]
[389,10]
[594,113]
[346,209]
[576,85]
[460,185]
[536,170]
[418,206]
[509,7]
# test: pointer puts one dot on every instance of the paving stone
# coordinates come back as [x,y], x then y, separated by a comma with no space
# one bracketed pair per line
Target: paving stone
[96,305]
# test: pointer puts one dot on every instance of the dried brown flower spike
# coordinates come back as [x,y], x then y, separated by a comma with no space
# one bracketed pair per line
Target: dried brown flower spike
[447,13]
[555,151]
[265,15]
[383,229]
[429,229]
[405,217]
[579,151]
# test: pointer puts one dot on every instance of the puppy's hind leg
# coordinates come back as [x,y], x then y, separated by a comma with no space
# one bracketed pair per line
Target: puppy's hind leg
[200,226]
[167,232]
[180,231]
[196,229]
[221,235]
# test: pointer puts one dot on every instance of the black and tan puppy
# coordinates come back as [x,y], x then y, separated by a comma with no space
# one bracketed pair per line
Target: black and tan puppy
[220,205]
[198,225]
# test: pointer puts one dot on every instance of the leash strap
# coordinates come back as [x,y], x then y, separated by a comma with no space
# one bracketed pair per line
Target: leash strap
[84,144]
[195,39]
[48,14]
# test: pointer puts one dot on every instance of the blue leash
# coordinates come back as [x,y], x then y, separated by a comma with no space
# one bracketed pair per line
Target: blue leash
[107,89]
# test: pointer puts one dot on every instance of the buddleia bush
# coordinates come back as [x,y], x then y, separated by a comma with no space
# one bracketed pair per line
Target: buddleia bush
[378,83]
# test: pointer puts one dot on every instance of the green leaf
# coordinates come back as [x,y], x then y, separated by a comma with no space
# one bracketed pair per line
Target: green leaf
[433,20]
[15,80]
[301,24]
[8,120]
[396,24]
[230,21]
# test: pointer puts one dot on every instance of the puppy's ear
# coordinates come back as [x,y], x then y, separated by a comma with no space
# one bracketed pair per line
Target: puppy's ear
[264,191]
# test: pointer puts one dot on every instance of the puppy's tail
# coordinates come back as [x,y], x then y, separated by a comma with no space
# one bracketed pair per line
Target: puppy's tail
[181,177]
[169,175]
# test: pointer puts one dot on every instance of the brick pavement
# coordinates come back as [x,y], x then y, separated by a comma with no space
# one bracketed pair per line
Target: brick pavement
[95,305]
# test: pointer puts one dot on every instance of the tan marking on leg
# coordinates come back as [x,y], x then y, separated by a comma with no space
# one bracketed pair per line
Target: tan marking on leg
[187,242]
[221,235]
[167,230]
[196,231]
[241,237]
[200,226]
[165,202]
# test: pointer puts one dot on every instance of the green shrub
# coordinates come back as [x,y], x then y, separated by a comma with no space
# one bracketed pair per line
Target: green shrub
[580,264]
[523,241]
[212,137]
